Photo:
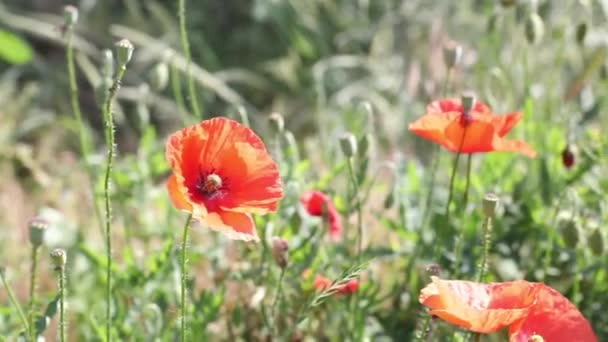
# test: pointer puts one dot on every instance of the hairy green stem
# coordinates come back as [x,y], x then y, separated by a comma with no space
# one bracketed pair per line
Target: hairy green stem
[108,117]
[31,312]
[14,301]
[355,195]
[184,277]
[487,241]
[186,46]
[62,323]
[276,299]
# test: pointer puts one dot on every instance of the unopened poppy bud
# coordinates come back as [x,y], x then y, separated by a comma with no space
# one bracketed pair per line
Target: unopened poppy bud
[535,28]
[277,123]
[433,270]
[452,54]
[468,102]
[389,200]
[37,226]
[581,32]
[58,258]
[596,242]
[348,144]
[70,15]
[568,158]
[490,202]
[159,77]
[280,249]
[570,232]
[124,52]
[536,338]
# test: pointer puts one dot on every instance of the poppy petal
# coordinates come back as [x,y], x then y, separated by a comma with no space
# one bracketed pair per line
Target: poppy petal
[177,194]
[432,127]
[504,123]
[236,226]
[478,307]
[518,146]
[477,136]
[455,105]
[554,318]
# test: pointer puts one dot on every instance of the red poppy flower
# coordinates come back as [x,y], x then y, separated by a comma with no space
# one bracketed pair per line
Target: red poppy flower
[222,174]
[527,308]
[568,157]
[483,131]
[316,203]
[322,283]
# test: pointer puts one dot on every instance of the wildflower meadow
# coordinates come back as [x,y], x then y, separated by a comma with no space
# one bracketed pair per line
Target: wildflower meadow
[290,170]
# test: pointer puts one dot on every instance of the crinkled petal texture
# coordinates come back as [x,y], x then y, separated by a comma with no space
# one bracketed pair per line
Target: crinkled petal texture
[527,308]
[482,132]
[247,179]
[482,308]
[554,318]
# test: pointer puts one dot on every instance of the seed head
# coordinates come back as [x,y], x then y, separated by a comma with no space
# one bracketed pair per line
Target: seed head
[536,338]
[37,226]
[277,123]
[70,16]
[124,52]
[452,54]
[59,258]
[490,202]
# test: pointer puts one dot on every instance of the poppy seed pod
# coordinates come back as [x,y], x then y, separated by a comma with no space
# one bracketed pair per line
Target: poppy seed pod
[70,15]
[535,28]
[58,258]
[277,123]
[124,52]
[490,202]
[348,144]
[536,338]
[468,102]
[280,249]
[159,76]
[452,54]
[433,269]
[37,226]
[569,231]
[595,241]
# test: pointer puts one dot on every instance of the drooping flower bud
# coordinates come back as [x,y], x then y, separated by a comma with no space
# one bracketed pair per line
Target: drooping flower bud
[569,231]
[568,158]
[37,226]
[58,258]
[490,202]
[159,76]
[124,52]
[595,241]
[535,28]
[452,54]
[348,144]
[277,123]
[70,16]
[280,249]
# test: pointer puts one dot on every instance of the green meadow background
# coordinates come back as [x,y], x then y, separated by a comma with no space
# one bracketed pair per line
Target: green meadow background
[327,66]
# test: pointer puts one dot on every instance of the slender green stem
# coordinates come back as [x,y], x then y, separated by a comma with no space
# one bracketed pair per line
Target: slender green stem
[465,196]
[14,301]
[487,241]
[31,313]
[186,46]
[461,236]
[351,173]
[176,88]
[184,277]
[277,298]
[111,146]
[451,187]
[62,323]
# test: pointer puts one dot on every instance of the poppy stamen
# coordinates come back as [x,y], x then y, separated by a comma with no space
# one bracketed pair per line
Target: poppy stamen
[210,184]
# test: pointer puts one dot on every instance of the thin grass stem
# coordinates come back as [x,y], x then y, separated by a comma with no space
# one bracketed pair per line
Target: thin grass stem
[186,46]
[31,312]
[184,277]
[11,296]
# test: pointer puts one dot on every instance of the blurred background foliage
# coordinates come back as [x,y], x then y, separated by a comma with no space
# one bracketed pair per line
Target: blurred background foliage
[329,66]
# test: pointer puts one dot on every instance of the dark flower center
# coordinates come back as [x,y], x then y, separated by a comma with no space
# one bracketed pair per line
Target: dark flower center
[209,185]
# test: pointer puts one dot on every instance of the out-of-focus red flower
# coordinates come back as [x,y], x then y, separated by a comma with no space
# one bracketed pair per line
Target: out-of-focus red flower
[445,123]
[222,174]
[317,203]
[568,158]
[526,308]
[351,286]
[322,283]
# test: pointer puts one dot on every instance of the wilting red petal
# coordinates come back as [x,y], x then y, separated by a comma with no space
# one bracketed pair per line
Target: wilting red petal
[478,307]
[554,318]
[222,173]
